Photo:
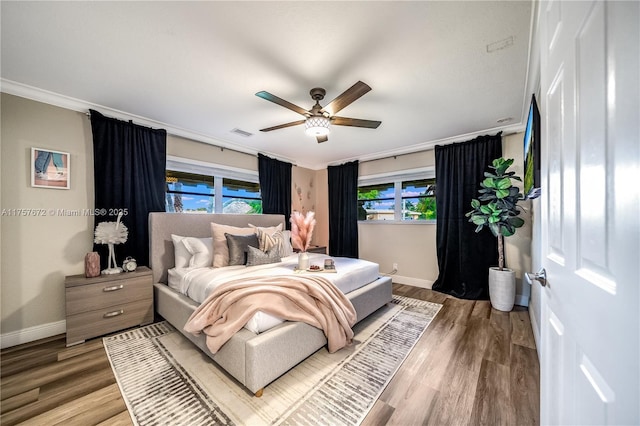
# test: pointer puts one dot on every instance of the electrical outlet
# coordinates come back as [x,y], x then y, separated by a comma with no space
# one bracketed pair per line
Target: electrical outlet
[395,266]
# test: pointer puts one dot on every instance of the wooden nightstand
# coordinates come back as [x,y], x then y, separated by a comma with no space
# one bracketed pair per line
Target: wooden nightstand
[314,249]
[108,303]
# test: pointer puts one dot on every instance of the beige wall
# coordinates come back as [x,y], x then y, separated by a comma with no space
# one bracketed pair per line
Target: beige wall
[187,148]
[38,251]
[397,163]
[309,193]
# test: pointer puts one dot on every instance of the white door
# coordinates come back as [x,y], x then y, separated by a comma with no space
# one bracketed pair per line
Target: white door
[590,324]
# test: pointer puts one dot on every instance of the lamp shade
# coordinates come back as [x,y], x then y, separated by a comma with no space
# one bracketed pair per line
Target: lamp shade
[317,126]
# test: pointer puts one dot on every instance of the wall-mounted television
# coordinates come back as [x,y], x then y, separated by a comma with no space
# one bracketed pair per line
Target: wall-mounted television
[532,152]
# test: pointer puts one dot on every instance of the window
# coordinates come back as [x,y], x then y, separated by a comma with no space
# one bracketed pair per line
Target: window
[240,197]
[196,187]
[189,193]
[419,199]
[402,198]
[376,202]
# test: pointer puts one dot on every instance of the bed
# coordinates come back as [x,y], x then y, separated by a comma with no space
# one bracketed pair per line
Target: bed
[253,359]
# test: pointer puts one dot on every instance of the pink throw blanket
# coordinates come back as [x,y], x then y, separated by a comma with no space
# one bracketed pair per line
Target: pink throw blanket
[307,298]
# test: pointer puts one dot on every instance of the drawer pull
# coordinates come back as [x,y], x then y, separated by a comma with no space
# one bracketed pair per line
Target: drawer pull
[114,288]
[113,313]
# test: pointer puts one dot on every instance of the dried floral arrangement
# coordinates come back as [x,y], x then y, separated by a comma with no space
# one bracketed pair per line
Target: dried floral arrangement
[302,229]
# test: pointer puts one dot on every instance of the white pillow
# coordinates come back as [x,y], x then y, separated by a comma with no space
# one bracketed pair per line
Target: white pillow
[191,251]
[201,250]
[220,247]
[180,252]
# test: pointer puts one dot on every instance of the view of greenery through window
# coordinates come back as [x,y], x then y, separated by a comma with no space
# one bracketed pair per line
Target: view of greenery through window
[409,200]
[415,198]
[195,193]
[240,197]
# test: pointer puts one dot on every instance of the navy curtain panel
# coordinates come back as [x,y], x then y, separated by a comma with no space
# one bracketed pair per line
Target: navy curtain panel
[129,163]
[275,186]
[343,209]
[464,256]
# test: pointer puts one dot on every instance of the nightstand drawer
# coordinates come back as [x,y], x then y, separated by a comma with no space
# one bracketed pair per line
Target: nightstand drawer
[108,293]
[102,321]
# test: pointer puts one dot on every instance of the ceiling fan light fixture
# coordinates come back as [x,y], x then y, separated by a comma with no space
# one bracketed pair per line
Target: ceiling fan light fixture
[317,126]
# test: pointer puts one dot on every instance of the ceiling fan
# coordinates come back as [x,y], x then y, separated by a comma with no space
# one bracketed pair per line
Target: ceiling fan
[318,117]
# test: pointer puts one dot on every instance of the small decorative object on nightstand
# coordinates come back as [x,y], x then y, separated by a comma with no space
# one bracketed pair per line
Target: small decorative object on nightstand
[111,233]
[129,264]
[92,264]
[107,303]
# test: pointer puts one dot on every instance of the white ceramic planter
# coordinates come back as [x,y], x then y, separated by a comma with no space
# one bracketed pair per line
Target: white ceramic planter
[502,288]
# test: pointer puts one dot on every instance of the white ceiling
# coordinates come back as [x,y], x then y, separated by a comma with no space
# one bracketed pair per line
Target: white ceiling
[194,68]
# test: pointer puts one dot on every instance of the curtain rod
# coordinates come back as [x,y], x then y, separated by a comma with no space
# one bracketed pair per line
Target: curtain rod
[504,133]
[394,156]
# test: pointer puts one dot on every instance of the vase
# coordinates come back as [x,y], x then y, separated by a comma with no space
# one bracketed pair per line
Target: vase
[303,260]
[92,264]
[502,288]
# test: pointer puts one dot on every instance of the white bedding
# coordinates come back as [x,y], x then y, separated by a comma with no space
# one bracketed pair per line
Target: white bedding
[198,283]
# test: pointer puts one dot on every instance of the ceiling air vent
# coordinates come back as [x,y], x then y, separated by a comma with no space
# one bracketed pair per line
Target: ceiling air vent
[241,132]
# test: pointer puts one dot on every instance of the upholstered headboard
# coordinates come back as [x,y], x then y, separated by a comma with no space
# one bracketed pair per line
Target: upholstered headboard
[162,225]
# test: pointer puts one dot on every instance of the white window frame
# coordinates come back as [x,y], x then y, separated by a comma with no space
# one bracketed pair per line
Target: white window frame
[218,171]
[397,178]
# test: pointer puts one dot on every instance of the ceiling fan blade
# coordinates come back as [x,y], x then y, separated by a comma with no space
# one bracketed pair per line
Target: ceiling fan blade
[322,138]
[276,100]
[282,126]
[355,122]
[347,97]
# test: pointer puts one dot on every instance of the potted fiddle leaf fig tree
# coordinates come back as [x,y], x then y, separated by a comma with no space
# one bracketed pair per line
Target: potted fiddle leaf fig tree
[497,208]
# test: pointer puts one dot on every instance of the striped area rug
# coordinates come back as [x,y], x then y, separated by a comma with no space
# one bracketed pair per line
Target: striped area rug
[166,380]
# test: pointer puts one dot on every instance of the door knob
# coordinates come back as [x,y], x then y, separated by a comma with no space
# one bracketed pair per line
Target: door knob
[540,276]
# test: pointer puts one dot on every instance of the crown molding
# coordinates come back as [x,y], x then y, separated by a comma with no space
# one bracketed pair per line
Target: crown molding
[425,146]
[40,95]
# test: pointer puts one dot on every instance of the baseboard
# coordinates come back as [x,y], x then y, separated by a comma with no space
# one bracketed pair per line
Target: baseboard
[522,300]
[416,282]
[31,334]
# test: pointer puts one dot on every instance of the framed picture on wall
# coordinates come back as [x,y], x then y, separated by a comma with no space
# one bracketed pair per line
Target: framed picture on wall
[50,169]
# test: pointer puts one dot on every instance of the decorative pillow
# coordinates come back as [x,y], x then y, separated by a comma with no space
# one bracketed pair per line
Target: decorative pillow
[288,248]
[256,256]
[238,247]
[220,248]
[277,240]
[184,255]
[268,229]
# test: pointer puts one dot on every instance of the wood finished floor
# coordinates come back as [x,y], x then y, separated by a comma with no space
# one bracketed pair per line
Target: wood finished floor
[473,366]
